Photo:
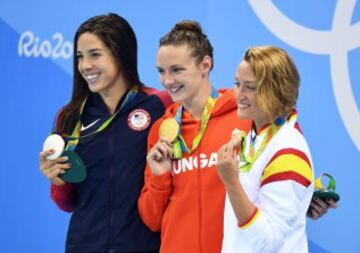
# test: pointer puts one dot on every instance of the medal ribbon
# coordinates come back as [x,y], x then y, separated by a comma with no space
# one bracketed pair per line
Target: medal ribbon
[247,160]
[179,145]
[73,139]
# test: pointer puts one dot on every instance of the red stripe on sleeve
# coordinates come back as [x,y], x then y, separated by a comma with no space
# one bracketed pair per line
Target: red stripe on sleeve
[288,151]
[288,175]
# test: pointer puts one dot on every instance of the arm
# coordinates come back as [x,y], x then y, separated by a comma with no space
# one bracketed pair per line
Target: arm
[157,189]
[62,193]
[64,196]
[227,168]
[281,205]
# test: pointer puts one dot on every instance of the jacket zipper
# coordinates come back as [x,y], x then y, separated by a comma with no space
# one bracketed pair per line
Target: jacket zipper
[111,188]
[199,199]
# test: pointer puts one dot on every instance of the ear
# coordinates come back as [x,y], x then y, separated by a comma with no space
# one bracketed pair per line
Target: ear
[206,64]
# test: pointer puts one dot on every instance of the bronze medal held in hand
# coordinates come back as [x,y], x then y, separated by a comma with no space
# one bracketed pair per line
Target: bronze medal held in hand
[169,129]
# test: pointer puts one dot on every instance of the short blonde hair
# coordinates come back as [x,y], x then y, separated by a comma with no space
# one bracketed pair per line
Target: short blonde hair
[277,77]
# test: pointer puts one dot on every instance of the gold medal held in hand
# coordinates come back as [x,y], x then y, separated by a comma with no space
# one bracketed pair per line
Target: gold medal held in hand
[169,129]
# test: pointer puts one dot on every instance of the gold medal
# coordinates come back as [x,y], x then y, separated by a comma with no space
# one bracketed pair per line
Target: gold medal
[169,129]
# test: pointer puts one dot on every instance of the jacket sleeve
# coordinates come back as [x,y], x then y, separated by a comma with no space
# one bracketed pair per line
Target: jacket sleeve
[64,196]
[285,194]
[156,192]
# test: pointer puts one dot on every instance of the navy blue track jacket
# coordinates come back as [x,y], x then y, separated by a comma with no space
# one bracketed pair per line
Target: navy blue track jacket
[105,216]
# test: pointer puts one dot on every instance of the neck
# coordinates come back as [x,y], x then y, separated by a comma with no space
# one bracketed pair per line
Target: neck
[259,124]
[196,104]
[112,96]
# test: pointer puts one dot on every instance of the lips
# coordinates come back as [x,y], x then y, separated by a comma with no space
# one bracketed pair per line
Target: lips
[175,88]
[243,105]
[91,78]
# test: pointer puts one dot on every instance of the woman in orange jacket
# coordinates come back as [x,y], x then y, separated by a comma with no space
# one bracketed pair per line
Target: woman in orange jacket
[183,195]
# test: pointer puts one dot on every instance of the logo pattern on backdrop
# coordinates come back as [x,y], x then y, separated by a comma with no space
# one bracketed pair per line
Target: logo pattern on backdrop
[323,42]
[30,45]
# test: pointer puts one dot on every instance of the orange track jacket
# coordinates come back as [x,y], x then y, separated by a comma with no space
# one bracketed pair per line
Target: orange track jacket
[187,204]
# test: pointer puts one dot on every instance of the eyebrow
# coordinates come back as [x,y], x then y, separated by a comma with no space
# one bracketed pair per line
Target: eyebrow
[250,82]
[246,82]
[90,51]
[172,66]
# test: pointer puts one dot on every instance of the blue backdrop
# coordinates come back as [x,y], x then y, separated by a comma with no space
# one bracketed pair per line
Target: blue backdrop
[36,76]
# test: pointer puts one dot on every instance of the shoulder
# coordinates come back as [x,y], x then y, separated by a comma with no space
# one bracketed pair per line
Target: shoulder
[163,96]
[57,119]
[289,158]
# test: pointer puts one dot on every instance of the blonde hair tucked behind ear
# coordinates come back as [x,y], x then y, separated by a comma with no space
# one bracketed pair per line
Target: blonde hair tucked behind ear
[277,77]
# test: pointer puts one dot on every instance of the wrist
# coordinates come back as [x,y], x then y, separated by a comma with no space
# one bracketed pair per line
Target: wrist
[233,185]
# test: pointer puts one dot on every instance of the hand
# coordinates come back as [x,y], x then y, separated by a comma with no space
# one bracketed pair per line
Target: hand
[53,168]
[159,157]
[319,207]
[227,164]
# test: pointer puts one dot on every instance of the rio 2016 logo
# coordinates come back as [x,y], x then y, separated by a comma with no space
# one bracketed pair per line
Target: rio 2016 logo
[323,42]
[31,46]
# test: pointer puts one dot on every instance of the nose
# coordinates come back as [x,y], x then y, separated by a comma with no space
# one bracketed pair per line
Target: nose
[166,79]
[239,91]
[84,64]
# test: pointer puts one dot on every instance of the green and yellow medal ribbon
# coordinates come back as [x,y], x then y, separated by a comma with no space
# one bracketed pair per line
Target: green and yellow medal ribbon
[179,145]
[73,139]
[247,160]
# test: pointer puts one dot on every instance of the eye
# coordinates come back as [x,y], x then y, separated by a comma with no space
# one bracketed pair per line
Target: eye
[95,55]
[79,56]
[160,70]
[177,70]
[250,87]
[236,84]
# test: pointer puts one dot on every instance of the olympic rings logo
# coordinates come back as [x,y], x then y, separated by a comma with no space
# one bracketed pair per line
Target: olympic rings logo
[323,42]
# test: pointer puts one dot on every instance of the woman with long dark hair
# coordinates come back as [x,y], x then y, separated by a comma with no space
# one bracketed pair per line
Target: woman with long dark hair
[106,123]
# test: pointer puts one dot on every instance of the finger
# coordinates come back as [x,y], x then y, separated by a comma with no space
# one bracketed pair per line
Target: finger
[332,203]
[320,202]
[318,208]
[235,155]
[312,213]
[58,181]
[164,149]
[45,163]
[155,155]
[61,159]
[55,167]
[229,149]
[165,140]
[51,175]
[46,153]
[221,152]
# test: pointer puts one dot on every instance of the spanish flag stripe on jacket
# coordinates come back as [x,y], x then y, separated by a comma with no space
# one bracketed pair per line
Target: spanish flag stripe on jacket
[290,151]
[290,162]
[288,175]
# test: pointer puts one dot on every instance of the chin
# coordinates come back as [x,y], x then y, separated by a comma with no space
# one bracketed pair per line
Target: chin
[176,98]
[242,115]
[94,88]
